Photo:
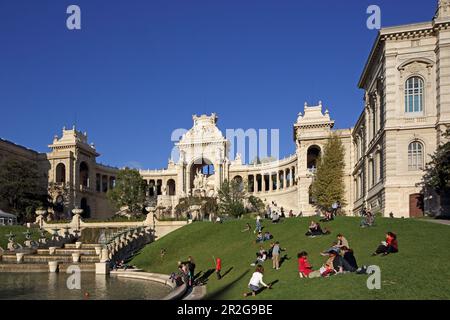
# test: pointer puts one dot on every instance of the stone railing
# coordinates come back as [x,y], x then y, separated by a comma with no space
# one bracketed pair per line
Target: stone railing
[77,225]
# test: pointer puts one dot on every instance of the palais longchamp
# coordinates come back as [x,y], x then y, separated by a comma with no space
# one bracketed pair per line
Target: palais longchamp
[406,83]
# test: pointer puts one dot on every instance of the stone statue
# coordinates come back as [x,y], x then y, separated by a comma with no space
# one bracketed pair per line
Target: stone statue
[199,180]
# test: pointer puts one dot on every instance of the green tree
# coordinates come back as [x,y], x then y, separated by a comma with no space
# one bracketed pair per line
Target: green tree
[328,185]
[20,187]
[231,198]
[437,173]
[130,190]
[256,204]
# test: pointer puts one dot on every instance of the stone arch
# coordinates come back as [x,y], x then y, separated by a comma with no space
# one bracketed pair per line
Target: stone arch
[60,173]
[204,165]
[239,180]
[171,187]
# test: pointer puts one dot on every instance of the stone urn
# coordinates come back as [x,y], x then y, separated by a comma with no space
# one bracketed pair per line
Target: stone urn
[76,257]
[98,250]
[52,250]
[19,257]
[78,244]
[53,266]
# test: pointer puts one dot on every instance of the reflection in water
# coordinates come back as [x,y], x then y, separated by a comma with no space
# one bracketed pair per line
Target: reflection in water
[52,286]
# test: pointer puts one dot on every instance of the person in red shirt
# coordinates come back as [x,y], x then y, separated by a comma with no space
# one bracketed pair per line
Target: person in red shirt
[218,262]
[304,268]
[388,246]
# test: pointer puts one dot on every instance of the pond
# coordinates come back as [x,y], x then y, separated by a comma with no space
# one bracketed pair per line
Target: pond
[53,286]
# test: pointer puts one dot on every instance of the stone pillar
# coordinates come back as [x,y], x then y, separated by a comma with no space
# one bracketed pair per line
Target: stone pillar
[284,179]
[263,182]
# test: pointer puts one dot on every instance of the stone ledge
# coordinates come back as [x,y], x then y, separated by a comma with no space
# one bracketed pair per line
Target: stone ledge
[175,294]
[197,293]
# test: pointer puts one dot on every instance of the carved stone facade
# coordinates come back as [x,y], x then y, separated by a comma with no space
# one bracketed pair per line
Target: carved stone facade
[407,108]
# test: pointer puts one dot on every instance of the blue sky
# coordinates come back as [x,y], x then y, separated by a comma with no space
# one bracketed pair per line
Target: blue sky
[139,69]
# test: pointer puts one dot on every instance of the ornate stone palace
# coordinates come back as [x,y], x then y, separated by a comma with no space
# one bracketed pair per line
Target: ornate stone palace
[407,108]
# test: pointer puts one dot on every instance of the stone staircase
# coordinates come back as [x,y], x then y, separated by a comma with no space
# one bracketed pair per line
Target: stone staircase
[85,257]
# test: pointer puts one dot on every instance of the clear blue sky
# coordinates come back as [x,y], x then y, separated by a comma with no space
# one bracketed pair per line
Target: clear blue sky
[138,69]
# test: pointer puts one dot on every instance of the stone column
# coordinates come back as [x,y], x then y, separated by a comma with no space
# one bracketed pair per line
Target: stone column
[284,179]
[263,182]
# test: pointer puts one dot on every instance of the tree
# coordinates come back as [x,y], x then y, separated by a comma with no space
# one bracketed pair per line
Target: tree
[231,198]
[129,191]
[328,184]
[256,204]
[20,187]
[437,173]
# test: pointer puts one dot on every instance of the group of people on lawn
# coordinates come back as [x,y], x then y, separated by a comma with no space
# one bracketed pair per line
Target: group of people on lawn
[340,258]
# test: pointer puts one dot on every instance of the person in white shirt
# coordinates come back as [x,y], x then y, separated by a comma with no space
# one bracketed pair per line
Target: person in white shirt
[256,281]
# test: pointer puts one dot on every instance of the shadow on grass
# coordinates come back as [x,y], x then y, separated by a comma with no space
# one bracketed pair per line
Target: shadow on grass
[283,259]
[200,280]
[227,272]
[218,293]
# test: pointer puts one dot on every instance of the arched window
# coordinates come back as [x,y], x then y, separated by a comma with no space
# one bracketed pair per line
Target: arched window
[312,155]
[414,95]
[415,156]
[84,174]
[171,187]
[60,173]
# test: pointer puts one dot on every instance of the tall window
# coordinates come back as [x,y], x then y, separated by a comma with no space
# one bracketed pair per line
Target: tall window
[414,95]
[415,156]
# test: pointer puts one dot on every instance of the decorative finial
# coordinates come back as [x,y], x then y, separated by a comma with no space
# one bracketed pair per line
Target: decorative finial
[306,104]
[73,127]
[320,103]
[64,128]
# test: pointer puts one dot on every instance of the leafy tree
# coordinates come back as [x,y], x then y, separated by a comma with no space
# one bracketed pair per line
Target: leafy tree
[256,204]
[231,198]
[20,187]
[129,191]
[437,172]
[328,185]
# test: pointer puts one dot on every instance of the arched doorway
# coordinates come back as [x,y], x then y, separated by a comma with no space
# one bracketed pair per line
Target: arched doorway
[312,155]
[86,209]
[84,174]
[171,187]
[60,173]
[203,166]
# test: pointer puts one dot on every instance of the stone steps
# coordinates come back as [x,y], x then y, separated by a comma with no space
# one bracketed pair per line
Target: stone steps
[83,246]
[36,259]
[86,252]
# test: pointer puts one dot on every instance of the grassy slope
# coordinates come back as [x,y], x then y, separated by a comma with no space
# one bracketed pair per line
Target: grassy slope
[419,271]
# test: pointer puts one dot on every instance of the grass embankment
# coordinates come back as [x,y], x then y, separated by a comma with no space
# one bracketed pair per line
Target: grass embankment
[418,271]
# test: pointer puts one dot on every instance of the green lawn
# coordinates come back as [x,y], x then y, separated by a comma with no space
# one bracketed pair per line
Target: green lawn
[19,232]
[418,271]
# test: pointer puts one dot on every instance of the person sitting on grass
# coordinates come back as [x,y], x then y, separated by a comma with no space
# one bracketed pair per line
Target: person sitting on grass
[340,264]
[327,269]
[315,230]
[267,236]
[388,246]
[304,268]
[248,227]
[328,217]
[349,256]
[261,256]
[342,241]
[259,238]
[256,281]
[368,219]
[275,217]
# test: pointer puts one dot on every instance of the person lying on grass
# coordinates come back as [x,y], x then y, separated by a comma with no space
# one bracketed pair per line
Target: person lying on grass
[256,281]
[388,246]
